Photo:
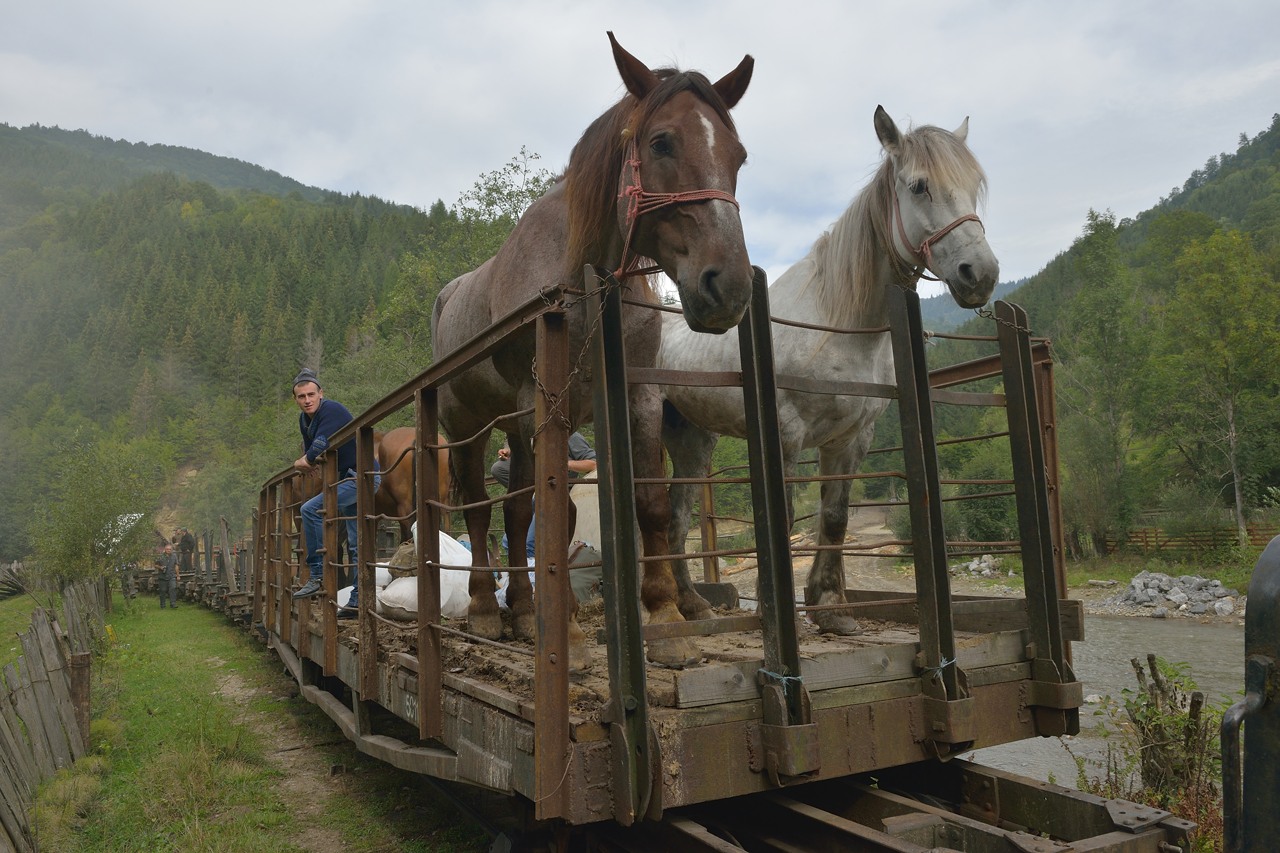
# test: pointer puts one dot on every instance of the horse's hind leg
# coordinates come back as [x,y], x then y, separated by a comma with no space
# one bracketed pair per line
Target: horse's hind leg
[483,618]
[690,449]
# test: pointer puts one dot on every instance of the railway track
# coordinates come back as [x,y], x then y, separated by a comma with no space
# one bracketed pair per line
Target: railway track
[915,809]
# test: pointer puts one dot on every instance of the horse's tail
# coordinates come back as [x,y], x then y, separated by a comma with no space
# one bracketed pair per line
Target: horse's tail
[455,478]
[441,298]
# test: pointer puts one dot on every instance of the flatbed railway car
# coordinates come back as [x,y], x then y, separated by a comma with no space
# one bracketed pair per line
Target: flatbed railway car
[793,739]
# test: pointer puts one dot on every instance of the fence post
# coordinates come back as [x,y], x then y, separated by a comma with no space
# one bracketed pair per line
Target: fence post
[80,695]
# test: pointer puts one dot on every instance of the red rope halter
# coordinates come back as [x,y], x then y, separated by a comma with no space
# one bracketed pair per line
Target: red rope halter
[923,254]
[640,201]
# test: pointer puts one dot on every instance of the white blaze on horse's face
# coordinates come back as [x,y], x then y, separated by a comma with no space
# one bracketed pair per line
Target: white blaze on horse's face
[699,244]
[938,183]
[710,130]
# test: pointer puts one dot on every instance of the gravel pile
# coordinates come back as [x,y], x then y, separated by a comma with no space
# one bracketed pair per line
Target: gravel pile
[985,566]
[1189,595]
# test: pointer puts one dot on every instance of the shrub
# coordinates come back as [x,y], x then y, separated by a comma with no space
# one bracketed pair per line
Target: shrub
[1167,754]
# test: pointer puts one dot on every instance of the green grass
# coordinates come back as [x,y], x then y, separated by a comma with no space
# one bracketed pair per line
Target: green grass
[1232,566]
[184,767]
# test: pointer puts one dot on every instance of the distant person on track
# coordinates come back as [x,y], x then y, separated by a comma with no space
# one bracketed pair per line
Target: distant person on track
[319,420]
[186,551]
[168,577]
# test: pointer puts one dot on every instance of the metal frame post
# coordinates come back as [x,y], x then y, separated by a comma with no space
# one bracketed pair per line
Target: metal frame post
[634,747]
[365,553]
[947,701]
[1250,795]
[554,599]
[427,550]
[1056,695]
[789,736]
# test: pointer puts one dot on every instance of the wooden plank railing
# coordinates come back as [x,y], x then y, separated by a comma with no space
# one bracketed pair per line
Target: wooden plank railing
[1148,539]
[44,705]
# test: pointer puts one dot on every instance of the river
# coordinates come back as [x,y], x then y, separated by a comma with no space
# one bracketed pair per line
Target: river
[1213,653]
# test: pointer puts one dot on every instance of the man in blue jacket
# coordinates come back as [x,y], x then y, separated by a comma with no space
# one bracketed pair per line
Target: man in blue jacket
[319,420]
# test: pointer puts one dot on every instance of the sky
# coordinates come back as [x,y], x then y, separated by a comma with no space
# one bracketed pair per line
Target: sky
[1072,106]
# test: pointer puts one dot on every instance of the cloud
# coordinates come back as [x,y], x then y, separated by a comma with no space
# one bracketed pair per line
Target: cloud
[1072,106]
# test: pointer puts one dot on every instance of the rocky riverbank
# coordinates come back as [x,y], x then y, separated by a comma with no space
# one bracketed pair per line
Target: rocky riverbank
[1149,594]
[1162,596]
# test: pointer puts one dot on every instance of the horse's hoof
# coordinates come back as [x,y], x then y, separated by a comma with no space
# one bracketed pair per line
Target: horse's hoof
[579,657]
[837,623]
[487,626]
[524,626]
[673,652]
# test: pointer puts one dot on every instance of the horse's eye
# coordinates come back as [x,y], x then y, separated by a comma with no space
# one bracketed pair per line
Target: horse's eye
[919,186]
[661,146]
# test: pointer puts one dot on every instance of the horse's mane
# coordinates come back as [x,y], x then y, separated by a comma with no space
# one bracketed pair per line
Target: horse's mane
[845,256]
[595,165]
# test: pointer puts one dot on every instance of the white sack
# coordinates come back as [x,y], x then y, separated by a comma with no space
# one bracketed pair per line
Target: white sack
[399,599]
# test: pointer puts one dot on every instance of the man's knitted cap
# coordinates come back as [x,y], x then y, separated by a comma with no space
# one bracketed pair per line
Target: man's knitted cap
[306,375]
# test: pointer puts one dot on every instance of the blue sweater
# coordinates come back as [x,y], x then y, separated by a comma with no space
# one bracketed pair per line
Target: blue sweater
[328,419]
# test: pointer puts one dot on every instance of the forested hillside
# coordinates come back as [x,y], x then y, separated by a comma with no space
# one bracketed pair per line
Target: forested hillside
[152,321]
[156,302]
[1165,332]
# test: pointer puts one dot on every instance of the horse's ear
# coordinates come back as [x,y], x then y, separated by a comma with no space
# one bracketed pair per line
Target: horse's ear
[887,132]
[636,76]
[733,85]
[962,132]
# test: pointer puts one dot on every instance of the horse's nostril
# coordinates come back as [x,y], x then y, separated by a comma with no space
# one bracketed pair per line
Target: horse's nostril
[966,273]
[709,285]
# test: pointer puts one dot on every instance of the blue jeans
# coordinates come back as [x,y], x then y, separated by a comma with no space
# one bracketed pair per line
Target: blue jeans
[528,541]
[313,527]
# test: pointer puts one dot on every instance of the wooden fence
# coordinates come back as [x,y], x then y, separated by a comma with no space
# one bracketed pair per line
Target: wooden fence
[44,705]
[1148,539]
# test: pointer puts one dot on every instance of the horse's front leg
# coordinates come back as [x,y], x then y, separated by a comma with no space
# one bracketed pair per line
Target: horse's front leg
[690,449]
[579,656]
[658,590]
[826,579]
[517,516]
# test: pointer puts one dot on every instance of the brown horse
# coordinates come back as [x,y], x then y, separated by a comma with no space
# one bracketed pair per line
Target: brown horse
[394,498]
[674,129]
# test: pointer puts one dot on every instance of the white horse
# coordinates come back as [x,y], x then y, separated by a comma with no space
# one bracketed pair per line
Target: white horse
[917,214]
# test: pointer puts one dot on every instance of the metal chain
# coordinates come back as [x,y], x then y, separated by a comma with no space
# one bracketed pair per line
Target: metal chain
[988,314]
[556,403]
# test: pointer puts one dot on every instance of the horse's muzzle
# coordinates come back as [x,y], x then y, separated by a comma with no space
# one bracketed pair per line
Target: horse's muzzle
[718,301]
[973,283]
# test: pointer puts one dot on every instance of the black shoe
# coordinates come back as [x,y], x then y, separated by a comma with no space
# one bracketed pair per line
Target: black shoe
[312,588]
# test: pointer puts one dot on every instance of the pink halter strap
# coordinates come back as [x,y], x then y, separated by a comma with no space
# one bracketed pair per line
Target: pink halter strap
[640,201]
[923,254]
